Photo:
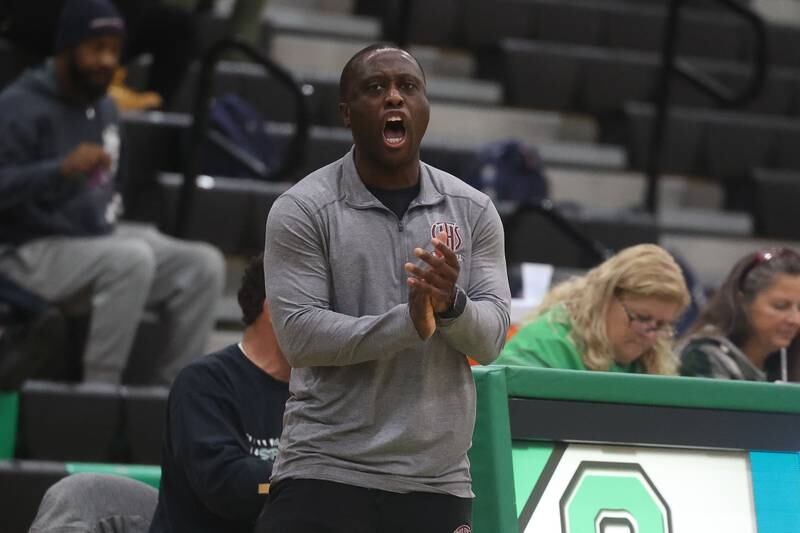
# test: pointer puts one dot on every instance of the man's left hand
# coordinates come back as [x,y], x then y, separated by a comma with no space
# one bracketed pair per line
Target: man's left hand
[438,280]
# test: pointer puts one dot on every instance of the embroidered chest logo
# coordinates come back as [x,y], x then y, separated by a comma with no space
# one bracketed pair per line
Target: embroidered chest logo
[463,529]
[454,240]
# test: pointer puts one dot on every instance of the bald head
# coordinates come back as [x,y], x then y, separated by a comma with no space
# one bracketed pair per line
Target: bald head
[353,66]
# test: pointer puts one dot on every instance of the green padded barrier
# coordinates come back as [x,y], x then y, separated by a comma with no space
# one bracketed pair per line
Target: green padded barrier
[530,458]
[548,383]
[144,473]
[9,413]
[490,455]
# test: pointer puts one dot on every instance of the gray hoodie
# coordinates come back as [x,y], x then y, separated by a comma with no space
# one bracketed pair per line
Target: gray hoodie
[38,127]
[371,404]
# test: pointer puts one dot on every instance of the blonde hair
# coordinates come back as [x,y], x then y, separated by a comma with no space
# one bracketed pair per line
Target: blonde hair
[642,270]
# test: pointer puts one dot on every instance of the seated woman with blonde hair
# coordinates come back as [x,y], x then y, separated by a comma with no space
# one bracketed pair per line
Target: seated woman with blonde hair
[618,317]
[749,329]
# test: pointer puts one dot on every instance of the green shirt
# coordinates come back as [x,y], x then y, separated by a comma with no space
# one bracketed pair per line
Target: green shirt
[546,343]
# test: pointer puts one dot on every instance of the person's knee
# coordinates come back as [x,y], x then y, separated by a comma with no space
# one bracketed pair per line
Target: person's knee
[130,263]
[137,262]
[210,265]
[87,498]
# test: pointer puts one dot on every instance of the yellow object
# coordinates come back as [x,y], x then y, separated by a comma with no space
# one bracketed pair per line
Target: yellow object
[129,100]
[263,488]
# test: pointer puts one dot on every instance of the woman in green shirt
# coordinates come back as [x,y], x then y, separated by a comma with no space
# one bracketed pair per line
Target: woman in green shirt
[618,317]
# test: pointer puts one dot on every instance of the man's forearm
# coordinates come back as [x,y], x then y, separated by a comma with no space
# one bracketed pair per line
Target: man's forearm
[318,337]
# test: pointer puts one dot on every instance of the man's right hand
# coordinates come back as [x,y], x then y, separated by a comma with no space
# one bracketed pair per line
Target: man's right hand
[421,310]
[84,159]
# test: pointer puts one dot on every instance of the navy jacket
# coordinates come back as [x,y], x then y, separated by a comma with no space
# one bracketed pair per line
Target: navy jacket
[223,426]
[38,127]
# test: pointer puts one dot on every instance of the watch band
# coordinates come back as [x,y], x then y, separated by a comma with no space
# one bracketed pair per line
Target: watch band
[459,303]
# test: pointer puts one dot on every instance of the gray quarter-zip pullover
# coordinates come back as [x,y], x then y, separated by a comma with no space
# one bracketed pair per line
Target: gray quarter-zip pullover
[371,404]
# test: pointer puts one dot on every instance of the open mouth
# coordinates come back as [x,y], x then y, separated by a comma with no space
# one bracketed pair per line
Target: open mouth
[394,131]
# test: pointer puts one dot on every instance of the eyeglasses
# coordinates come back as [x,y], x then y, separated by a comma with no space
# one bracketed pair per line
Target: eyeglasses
[646,324]
[761,257]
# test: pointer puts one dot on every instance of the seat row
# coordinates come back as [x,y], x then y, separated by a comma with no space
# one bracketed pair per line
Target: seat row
[23,483]
[599,82]
[88,422]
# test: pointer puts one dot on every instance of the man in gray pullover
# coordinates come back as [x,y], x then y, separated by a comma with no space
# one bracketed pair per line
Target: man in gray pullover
[383,275]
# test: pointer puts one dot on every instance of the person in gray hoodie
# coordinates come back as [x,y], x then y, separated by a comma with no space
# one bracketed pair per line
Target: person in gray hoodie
[383,274]
[59,237]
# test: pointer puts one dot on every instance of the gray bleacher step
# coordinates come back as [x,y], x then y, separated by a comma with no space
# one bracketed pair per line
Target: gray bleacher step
[479,125]
[251,82]
[297,20]
[219,339]
[786,12]
[224,7]
[465,90]
[228,314]
[705,221]
[556,153]
[583,155]
[327,54]
[440,88]
[712,257]
[625,189]
[681,211]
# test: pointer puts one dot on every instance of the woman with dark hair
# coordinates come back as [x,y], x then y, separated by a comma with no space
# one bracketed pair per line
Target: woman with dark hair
[748,331]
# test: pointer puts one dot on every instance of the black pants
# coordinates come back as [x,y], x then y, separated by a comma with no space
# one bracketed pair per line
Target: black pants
[314,506]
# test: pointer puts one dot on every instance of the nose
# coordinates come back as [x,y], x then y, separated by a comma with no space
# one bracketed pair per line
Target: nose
[650,337]
[393,96]
[108,58]
[794,317]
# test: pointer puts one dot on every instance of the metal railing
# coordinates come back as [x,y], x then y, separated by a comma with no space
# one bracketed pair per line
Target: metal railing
[199,131]
[671,66]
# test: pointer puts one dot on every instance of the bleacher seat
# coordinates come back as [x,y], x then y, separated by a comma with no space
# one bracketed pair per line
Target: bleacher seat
[611,24]
[639,29]
[599,81]
[152,143]
[227,212]
[722,144]
[680,152]
[567,22]
[540,76]
[325,146]
[534,237]
[786,154]
[145,411]
[70,422]
[431,23]
[609,76]
[777,196]
[22,485]
[784,45]
[736,142]
[484,23]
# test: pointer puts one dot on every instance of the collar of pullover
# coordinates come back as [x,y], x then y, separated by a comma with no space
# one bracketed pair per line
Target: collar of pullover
[357,195]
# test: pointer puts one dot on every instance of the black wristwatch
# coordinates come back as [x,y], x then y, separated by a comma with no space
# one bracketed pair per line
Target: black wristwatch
[459,303]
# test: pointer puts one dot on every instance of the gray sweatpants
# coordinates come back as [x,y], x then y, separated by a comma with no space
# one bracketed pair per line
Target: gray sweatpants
[119,275]
[96,503]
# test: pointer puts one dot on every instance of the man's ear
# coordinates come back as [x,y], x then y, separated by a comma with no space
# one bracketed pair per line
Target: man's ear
[344,110]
